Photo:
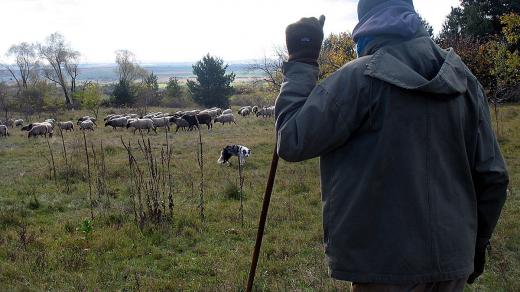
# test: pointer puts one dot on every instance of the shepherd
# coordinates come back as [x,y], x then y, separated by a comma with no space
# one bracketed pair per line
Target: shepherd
[412,178]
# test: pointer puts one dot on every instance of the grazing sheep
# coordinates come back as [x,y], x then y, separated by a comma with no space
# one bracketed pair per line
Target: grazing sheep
[161,123]
[87,125]
[266,112]
[180,123]
[225,118]
[27,127]
[142,124]
[87,118]
[3,131]
[228,111]
[66,126]
[40,129]
[255,109]
[245,111]
[18,123]
[117,123]
[200,119]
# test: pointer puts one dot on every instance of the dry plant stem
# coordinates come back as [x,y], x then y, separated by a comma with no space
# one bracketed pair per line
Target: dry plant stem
[103,174]
[170,178]
[89,179]
[133,181]
[200,160]
[241,184]
[52,160]
[66,160]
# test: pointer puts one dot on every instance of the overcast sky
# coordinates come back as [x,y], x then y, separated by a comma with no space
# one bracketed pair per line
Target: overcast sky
[178,31]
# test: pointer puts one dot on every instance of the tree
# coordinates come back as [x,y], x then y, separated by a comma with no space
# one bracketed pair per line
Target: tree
[148,92]
[213,85]
[505,63]
[271,67]
[427,26]
[123,93]
[91,97]
[337,50]
[127,67]
[62,64]
[26,61]
[478,19]
[6,102]
[173,88]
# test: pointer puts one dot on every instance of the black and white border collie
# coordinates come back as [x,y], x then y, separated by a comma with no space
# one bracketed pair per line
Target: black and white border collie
[234,150]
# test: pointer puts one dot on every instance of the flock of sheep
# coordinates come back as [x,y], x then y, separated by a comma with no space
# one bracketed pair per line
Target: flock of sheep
[183,120]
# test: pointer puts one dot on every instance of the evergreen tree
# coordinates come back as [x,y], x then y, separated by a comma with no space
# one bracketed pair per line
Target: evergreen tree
[123,93]
[213,85]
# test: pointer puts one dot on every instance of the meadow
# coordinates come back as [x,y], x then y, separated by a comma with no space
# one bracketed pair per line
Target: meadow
[49,242]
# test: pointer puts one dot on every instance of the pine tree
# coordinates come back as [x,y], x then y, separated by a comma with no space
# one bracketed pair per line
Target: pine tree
[213,85]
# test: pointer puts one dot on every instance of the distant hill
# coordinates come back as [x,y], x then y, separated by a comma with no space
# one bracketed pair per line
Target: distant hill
[105,73]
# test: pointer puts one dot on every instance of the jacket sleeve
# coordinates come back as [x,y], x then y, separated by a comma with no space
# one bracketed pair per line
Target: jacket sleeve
[489,175]
[310,118]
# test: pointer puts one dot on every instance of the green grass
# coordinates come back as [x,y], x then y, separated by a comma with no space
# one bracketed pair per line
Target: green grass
[54,252]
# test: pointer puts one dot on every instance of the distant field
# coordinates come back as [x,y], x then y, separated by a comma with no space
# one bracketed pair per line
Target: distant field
[42,246]
[105,73]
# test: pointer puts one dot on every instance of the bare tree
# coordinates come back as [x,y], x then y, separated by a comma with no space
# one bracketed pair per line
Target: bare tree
[26,64]
[127,67]
[271,67]
[62,62]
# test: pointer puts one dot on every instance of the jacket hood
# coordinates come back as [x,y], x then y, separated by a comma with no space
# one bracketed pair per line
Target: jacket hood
[419,65]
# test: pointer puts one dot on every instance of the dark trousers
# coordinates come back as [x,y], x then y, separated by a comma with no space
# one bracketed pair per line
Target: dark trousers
[448,286]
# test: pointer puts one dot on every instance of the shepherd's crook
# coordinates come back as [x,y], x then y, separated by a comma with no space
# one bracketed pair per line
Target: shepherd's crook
[263,217]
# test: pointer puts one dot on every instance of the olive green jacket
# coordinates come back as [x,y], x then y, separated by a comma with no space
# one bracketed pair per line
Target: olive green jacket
[411,172]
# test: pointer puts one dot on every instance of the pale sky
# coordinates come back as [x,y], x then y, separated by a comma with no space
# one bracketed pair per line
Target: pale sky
[178,31]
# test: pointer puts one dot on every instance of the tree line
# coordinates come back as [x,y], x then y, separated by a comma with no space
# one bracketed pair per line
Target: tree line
[44,78]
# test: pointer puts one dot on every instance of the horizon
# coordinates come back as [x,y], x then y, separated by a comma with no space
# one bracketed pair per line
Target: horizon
[235,31]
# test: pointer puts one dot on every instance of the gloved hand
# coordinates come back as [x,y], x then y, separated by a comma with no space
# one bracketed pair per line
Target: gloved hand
[304,40]
[480,259]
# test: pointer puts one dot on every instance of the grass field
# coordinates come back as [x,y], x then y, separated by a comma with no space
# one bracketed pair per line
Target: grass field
[44,244]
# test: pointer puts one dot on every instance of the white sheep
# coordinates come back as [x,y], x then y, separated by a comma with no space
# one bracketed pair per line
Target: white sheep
[142,124]
[225,118]
[87,125]
[3,131]
[161,122]
[226,112]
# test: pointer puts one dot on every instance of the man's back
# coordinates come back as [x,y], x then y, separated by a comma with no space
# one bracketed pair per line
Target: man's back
[407,153]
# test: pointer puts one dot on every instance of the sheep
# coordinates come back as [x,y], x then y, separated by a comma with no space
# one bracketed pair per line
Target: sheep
[66,126]
[142,124]
[117,123]
[161,123]
[3,131]
[40,129]
[255,109]
[180,123]
[228,111]
[87,118]
[266,112]
[225,118]
[87,125]
[18,123]
[245,111]
[200,119]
